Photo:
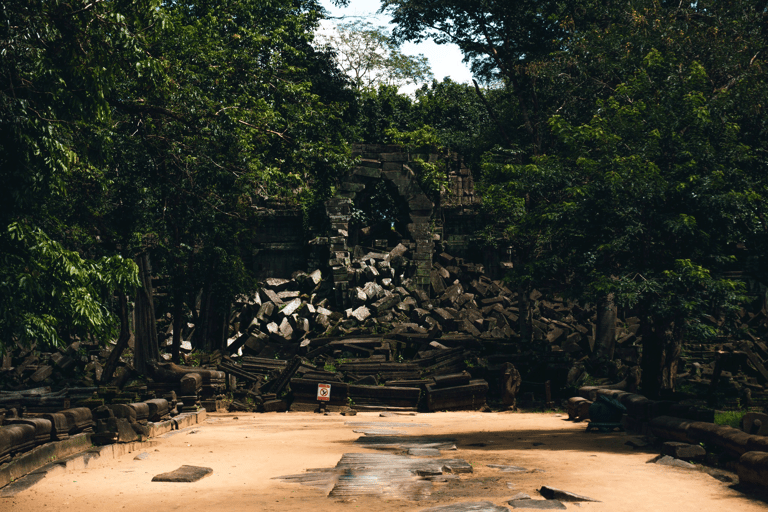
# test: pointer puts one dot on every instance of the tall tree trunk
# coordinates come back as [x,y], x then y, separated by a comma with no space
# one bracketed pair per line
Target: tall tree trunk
[210,330]
[662,344]
[605,328]
[146,347]
[213,323]
[178,311]
[122,341]
[524,318]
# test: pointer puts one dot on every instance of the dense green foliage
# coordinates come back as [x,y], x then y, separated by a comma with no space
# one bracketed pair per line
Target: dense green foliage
[633,167]
[620,146]
[128,127]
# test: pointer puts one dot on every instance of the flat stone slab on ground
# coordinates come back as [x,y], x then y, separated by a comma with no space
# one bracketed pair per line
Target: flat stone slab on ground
[507,469]
[379,432]
[377,474]
[666,460]
[184,474]
[683,451]
[424,452]
[405,442]
[471,506]
[385,424]
[537,504]
[552,493]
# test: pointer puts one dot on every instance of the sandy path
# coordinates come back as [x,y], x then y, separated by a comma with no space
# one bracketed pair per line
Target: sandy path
[248,452]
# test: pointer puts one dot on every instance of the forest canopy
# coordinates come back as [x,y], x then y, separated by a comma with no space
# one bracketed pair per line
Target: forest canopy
[620,147]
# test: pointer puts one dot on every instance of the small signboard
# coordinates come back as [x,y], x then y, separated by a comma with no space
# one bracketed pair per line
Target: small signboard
[324,392]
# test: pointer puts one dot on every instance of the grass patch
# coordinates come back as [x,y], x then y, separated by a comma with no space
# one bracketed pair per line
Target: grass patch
[730,418]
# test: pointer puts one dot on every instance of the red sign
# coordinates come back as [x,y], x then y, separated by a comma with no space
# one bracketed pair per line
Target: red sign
[324,392]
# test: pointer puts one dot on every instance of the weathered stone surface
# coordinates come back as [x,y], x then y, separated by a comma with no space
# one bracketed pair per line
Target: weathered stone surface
[268,295]
[286,331]
[684,450]
[507,469]
[42,427]
[266,311]
[755,423]
[399,251]
[537,504]
[42,373]
[578,408]
[472,506]
[753,469]
[385,303]
[666,460]
[520,496]
[291,308]
[424,452]
[184,474]
[381,475]
[358,296]
[288,295]
[277,284]
[361,314]
[551,493]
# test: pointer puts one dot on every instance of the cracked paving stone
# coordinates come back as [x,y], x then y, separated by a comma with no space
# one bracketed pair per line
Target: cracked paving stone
[380,474]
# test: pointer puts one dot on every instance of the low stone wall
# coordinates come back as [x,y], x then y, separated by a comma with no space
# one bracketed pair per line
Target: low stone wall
[672,421]
[32,451]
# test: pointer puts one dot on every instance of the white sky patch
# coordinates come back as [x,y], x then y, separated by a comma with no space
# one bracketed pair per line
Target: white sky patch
[445,59]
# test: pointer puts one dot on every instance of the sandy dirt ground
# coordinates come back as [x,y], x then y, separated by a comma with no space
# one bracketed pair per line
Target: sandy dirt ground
[248,451]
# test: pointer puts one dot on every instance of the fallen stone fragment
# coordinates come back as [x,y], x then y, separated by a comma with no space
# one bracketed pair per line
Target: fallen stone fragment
[537,504]
[755,423]
[361,314]
[141,456]
[385,424]
[424,452]
[666,460]
[472,506]
[520,496]
[684,450]
[507,469]
[380,432]
[552,493]
[184,474]
[753,467]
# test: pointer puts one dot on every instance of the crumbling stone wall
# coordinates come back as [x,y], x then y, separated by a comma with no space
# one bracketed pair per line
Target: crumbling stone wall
[390,163]
[453,222]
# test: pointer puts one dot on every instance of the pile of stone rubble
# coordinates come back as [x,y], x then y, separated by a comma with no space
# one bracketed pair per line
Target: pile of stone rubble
[384,331]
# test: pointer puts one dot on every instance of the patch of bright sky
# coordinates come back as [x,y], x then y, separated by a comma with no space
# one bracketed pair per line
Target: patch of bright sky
[444,59]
